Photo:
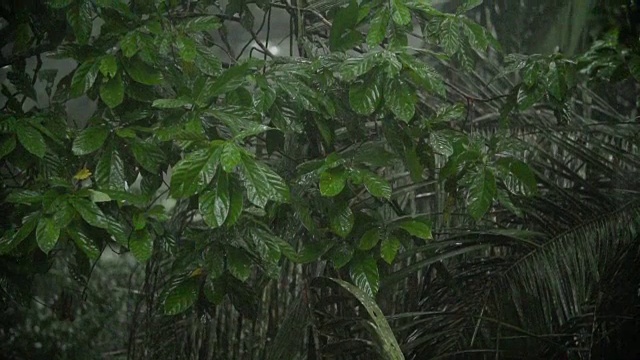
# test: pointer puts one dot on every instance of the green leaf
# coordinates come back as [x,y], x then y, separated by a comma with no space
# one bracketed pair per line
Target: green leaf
[181,297]
[353,68]
[84,242]
[503,198]
[389,248]
[89,140]
[343,35]
[369,239]
[230,80]
[9,243]
[468,5]
[378,27]
[376,185]
[201,23]
[7,146]
[390,347]
[141,245]
[108,66]
[556,81]
[31,139]
[400,99]
[171,103]
[423,74]
[230,157]
[187,48]
[83,78]
[522,172]
[112,91]
[109,172]
[47,234]
[90,212]
[262,183]
[194,172]
[440,143]
[215,203]
[99,196]
[634,67]
[264,99]
[341,255]
[332,181]
[449,36]
[341,220]
[238,263]
[214,262]
[312,251]
[143,73]
[236,203]
[365,96]
[129,44]
[81,21]
[148,154]
[23,36]
[364,274]
[416,228]
[23,196]
[207,62]
[481,193]
[59,4]
[400,12]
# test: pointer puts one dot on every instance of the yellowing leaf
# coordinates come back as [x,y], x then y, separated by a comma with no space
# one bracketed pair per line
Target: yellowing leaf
[82,174]
[196,272]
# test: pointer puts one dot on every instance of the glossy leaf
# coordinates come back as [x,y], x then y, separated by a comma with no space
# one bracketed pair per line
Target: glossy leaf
[214,203]
[85,243]
[194,172]
[143,73]
[332,181]
[90,212]
[341,219]
[238,263]
[378,27]
[416,228]
[89,140]
[481,193]
[376,185]
[112,91]
[109,172]
[108,66]
[262,183]
[31,139]
[148,154]
[81,21]
[47,234]
[400,99]
[369,239]
[83,78]
[389,248]
[400,12]
[364,274]
[141,245]
[181,297]
[389,345]
[364,97]
[341,254]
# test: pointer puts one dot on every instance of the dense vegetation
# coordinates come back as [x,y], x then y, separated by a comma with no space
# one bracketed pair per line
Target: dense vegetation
[398,186]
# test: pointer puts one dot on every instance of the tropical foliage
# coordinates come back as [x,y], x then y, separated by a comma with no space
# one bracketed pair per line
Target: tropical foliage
[398,186]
